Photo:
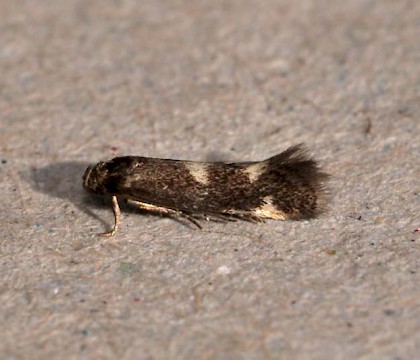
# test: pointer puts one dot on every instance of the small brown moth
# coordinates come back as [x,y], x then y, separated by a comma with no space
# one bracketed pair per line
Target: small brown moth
[286,186]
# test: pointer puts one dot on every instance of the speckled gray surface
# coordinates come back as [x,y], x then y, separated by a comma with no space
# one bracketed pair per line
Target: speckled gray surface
[235,80]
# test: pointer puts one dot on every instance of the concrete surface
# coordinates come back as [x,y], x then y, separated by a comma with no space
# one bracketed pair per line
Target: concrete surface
[84,80]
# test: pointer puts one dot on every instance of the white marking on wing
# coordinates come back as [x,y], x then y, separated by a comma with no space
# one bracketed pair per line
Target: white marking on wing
[268,210]
[199,171]
[254,171]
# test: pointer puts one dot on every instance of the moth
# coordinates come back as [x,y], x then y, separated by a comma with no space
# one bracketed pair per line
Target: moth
[289,185]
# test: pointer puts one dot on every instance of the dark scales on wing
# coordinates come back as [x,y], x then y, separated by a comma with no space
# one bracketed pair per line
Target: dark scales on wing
[295,184]
[287,186]
[170,184]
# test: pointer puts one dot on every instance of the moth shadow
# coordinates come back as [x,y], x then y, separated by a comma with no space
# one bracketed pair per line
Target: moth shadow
[63,180]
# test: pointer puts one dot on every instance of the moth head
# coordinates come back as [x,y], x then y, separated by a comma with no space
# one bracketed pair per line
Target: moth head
[94,178]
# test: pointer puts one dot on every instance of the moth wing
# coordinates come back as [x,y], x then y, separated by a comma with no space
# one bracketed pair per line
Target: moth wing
[306,182]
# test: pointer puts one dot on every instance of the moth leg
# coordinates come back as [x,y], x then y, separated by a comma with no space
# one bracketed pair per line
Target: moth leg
[166,211]
[223,218]
[245,216]
[117,222]
[251,218]
[189,218]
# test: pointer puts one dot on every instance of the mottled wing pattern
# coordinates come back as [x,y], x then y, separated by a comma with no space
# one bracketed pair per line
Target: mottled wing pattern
[286,186]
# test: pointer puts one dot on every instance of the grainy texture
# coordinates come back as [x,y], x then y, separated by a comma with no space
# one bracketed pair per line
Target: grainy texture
[231,80]
[289,185]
